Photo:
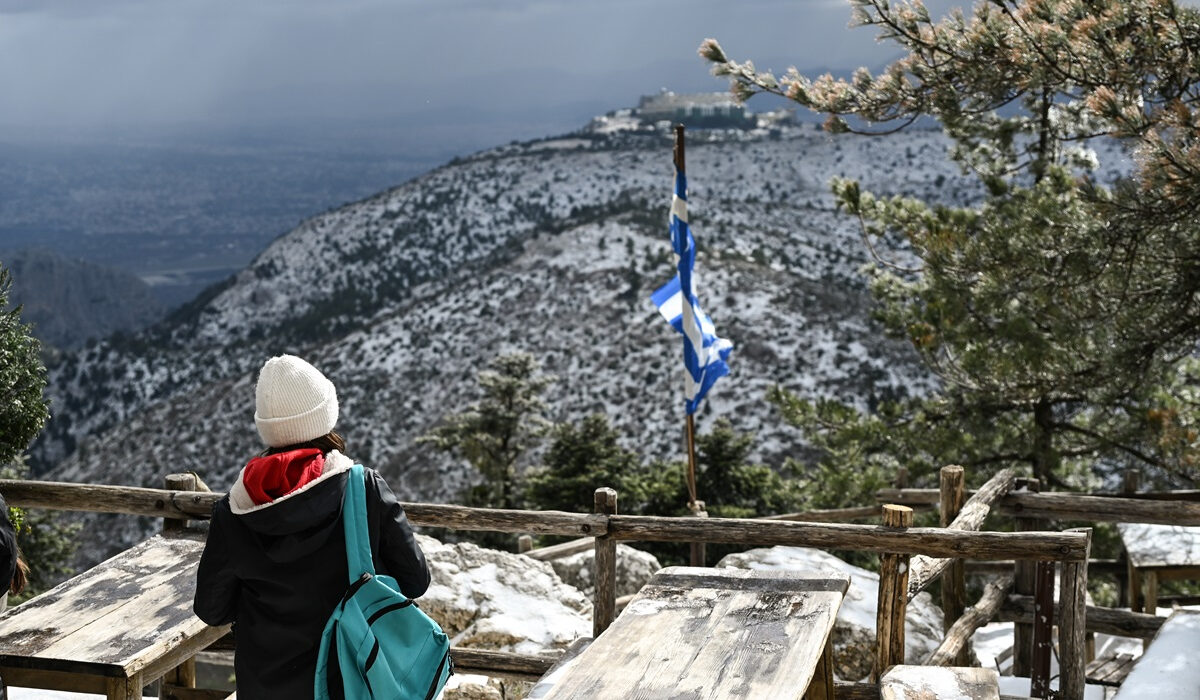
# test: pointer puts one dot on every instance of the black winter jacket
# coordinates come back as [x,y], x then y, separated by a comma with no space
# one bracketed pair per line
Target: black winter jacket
[276,571]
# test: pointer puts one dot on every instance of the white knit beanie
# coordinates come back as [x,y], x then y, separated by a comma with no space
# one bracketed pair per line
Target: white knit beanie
[293,402]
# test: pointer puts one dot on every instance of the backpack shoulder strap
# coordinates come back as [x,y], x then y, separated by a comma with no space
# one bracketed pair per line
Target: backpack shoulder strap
[354,522]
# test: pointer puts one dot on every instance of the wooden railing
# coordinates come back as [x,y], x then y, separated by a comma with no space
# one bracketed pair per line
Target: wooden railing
[932,547]
[927,554]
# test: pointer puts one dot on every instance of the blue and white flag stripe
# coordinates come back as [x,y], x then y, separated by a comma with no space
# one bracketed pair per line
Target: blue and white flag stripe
[704,354]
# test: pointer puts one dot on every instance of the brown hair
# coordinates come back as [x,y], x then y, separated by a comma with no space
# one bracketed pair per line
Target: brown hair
[20,576]
[326,443]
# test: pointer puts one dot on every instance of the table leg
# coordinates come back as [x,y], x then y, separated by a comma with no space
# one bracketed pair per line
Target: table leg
[125,688]
[1151,603]
[1135,588]
[182,676]
[821,686]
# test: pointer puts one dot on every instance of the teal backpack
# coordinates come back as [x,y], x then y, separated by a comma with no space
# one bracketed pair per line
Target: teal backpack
[386,647]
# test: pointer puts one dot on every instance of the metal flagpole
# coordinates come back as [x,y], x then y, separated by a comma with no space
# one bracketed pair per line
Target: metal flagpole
[695,505]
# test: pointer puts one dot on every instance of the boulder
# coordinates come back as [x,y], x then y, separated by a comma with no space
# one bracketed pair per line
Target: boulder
[634,569]
[854,633]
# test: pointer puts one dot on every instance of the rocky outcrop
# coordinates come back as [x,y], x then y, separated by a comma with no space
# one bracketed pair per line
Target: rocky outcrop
[489,599]
[634,569]
[854,633]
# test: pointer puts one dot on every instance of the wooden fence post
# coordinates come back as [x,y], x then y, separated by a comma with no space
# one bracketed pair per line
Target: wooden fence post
[604,606]
[954,587]
[1042,647]
[1130,482]
[1024,574]
[178,482]
[698,550]
[524,544]
[183,675]
[1072,652]
[893,598]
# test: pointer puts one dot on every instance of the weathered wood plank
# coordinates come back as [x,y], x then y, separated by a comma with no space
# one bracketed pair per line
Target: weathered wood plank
[538,522]
[1096,567]
[954,645]
[1069,506]
[1123,623]
[501,664]
[563,549]
[701,641]
[870,538]
[1117,508]
[849,690]
[926,569]
[832,515]
[1110,670]
[59,680]
[943,683]
[162,503]
[1172,495]
[171,692]
[102,498]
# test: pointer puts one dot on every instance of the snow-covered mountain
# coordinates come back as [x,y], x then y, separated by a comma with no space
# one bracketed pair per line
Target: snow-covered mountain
[551,247]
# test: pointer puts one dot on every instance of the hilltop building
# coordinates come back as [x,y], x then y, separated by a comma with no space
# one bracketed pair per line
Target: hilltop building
[700,110]
[710,109]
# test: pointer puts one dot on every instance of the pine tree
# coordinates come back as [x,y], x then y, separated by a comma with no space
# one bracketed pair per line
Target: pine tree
[23,407]
[47,545]
[580,459]
[1060,312]
[496,432]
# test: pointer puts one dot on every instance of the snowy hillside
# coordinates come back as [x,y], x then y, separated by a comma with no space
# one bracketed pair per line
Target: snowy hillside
[551,247]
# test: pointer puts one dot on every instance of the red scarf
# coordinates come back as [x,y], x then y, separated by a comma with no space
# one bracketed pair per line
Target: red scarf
[270,477]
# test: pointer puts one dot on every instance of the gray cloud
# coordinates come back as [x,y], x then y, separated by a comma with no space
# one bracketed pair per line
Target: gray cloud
[137,61]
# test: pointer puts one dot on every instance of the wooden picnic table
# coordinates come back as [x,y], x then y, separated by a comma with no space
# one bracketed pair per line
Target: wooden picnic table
[1155,553]
[114,628]
[712,633]
[1167,670]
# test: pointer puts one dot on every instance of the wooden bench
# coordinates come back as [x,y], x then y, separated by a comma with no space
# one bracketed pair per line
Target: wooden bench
[712,633]
[1170,666]
[114,628]
[940,682]
[1110,670]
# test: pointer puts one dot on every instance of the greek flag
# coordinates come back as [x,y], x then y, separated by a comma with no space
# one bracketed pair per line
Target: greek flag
[704,354]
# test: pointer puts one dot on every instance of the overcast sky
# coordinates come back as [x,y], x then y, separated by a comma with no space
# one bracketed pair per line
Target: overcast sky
[229,62]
